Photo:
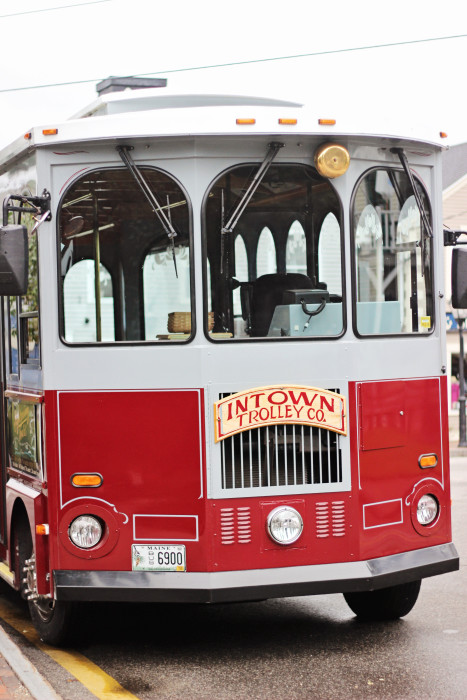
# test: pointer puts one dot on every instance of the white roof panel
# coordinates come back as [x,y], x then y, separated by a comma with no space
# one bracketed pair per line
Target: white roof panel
[161,112]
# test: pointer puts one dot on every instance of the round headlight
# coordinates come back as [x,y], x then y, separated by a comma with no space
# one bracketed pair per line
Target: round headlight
[85,531]
[285,525]
[427,509]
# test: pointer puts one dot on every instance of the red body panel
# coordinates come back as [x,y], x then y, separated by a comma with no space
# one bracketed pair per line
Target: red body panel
[148,447]
[397,423]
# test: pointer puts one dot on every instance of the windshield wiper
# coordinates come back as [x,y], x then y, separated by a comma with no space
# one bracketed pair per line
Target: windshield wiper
[426,231]
[124,153]
[273,150]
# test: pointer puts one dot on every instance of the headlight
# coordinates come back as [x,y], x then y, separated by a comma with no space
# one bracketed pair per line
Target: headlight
[85,531]
[285,525]
[427,509]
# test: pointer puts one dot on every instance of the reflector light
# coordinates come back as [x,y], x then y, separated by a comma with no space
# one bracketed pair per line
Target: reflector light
[28,135]
[49,132]
[86,480]
[42,529]
[443,134]
[246,121]
[332,160]
[425,461]
[327,122]
[288,121]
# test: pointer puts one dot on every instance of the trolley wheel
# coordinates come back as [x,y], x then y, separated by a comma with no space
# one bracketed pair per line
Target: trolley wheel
[385,603]
[52,619]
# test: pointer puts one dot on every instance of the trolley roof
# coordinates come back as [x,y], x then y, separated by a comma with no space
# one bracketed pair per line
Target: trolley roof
[161,112]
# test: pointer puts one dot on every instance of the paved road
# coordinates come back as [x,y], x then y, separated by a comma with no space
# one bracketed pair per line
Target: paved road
[296,648]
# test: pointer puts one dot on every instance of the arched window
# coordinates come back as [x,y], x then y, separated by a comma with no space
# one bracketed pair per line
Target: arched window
[295,252]
[241,272]
[266,261]
[329,255]
[105,216]
[280,247]
[393,274]
[86,320]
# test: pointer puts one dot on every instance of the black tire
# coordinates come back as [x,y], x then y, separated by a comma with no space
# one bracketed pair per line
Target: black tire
[54,620]
[385,603]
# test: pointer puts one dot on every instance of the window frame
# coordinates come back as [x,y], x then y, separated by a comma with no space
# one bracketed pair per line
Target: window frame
[144,253]
[204,247]
[358,182]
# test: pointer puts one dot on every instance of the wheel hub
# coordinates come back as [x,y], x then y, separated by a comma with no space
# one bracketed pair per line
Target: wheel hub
[43,603]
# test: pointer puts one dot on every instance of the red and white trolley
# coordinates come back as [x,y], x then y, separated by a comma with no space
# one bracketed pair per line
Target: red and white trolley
[224,371]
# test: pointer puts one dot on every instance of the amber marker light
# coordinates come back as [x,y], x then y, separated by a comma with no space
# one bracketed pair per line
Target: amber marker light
[49,132]
[327,122]
[427,461]
[90,480]
[288,122]
[443,134]
[28,135]
[246,121]
[332,160]
[42,529]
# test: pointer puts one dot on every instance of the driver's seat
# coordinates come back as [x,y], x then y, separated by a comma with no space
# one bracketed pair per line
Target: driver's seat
[266,294]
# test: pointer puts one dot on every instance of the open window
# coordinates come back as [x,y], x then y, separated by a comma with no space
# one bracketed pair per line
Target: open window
[122,280]
[282,291]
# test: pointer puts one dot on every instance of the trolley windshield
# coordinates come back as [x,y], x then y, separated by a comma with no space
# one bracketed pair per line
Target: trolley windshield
[279,273]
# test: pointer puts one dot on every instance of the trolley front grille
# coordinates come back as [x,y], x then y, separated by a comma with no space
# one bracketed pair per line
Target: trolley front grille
[281,455]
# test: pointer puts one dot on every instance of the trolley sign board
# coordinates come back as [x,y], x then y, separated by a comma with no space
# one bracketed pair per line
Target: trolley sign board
[279,404]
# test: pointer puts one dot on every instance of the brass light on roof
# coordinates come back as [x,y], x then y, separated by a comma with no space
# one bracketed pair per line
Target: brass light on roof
[332,160]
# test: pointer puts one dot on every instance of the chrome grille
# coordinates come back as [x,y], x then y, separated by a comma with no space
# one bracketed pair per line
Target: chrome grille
[280,455]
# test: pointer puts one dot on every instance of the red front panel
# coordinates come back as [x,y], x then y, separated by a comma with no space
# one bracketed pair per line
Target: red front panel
[241,540]
[392,423]
[148,447]
[398,422]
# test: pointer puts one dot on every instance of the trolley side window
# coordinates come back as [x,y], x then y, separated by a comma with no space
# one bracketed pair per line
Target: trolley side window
[393,256]
[278,273]
[22,313]
[122,280]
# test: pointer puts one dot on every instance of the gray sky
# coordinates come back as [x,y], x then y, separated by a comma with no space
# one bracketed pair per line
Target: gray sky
[420,84]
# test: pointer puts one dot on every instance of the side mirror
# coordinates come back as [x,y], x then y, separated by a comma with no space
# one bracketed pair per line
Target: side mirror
[459,278]
[13,260]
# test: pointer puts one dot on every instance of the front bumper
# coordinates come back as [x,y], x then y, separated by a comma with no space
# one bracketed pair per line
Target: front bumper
[255,584]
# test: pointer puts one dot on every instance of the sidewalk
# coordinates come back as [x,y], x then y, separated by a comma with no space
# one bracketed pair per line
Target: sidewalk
[11,687]
[19,679]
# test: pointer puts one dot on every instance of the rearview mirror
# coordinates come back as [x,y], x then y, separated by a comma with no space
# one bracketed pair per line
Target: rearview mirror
[13,260]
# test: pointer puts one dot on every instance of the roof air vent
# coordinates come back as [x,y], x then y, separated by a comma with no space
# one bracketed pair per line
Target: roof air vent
[115,84]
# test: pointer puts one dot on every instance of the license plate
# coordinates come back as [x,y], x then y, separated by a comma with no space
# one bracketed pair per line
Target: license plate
[158,557]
